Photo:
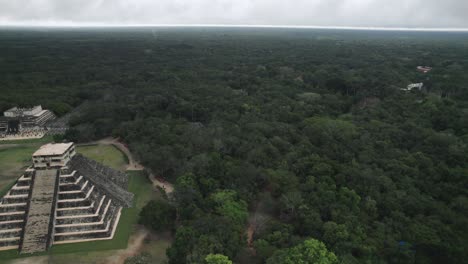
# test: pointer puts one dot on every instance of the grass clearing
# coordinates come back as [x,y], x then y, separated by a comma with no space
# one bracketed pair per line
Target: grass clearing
[105,154]
[13,161]
[39,141]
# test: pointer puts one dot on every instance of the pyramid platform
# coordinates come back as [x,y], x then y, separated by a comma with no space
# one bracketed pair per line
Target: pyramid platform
[64,198]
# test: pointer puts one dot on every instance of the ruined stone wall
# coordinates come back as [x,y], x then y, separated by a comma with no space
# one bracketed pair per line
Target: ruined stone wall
[113,183]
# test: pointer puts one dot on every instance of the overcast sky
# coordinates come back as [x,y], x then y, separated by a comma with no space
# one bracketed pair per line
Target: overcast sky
[347,13]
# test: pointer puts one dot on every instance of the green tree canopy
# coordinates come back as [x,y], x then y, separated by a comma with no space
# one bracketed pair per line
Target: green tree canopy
[158,215]
[217,259]
[310,251]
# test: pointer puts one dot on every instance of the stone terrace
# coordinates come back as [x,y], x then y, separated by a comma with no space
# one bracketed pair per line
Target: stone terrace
[13,208]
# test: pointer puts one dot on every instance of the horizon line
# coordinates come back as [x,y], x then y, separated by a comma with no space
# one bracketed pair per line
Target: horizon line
[102,25]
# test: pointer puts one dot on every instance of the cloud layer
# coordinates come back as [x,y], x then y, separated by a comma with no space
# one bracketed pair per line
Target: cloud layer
[349,13]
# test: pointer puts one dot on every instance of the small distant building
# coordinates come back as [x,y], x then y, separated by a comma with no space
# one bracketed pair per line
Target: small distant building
[53,155]
[16,119]
[413,86]
[424,69]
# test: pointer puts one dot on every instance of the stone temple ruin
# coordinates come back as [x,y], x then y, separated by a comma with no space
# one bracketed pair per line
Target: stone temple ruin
[62,198]
[16,119]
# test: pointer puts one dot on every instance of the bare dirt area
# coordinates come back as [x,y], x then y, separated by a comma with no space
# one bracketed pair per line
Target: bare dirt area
[134,247]
[33,260]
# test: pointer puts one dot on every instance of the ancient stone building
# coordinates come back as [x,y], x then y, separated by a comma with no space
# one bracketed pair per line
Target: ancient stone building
[16,119]
[63,197]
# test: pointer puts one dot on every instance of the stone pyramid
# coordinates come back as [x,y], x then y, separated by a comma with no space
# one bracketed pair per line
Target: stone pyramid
[63,198]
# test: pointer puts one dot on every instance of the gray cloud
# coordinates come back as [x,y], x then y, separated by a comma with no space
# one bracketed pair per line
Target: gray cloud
[349,13]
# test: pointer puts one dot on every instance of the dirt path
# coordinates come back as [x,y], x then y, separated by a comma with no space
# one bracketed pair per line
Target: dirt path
[133,164]
[256,222]
[134,248]
[167,187]
[31,260]
[251,228]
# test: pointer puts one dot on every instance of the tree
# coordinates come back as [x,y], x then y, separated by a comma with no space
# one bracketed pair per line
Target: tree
[158,215]
[310,251]
[229,206]
[217,259]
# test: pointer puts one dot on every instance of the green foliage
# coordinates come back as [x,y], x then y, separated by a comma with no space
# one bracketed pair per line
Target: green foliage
[217,259]
[310,251]
[315,118]
[228,206]
[158,215]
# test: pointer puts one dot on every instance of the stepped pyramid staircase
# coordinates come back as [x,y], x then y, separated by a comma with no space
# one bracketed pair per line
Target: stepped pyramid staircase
[79,202]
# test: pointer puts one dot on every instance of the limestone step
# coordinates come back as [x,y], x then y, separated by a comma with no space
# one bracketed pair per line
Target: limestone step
[12,213]
[80,233]
[80,227]
[11,223]
[74,237]
[3,231]
[15,192]
[23,183]
[17,187]
[12,208]
[15,199]
[76,223]
[68,204]
[8,244]
[9,233]
[14,196]
[79,189]
[78,193]
[95,217]
[90,191]
[80,210]
[67,196]
[2,205]
[4,248]
[76,208]
[25,178]
[12,216]
[68,178]
[72,183]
